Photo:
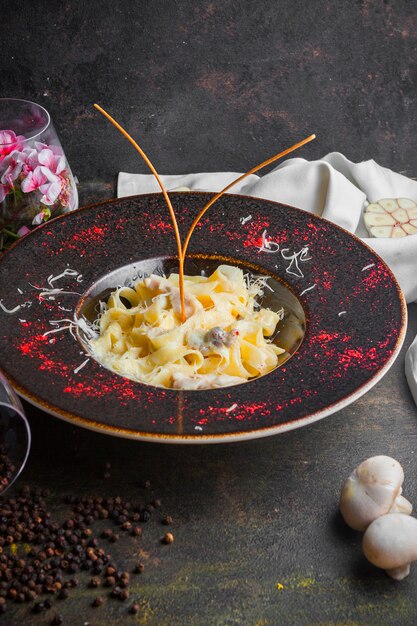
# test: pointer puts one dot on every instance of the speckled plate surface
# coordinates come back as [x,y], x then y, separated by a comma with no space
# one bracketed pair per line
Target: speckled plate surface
[355,317]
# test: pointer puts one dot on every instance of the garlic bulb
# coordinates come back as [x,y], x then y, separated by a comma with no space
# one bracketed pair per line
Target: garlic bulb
[391,217]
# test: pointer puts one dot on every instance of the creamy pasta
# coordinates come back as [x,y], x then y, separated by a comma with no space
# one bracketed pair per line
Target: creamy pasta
[225,339]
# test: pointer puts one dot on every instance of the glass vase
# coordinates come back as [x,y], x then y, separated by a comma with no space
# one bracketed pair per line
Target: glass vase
[36,182]
[15,436]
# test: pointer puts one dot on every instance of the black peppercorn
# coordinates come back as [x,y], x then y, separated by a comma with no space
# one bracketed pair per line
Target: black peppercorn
[145,516]
[123,594]
[37,607]
[134,608]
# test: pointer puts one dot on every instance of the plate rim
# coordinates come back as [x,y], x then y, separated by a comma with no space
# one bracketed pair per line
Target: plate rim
[217,438]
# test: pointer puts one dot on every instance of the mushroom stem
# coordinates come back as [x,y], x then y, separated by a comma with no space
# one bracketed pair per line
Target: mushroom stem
[401,505]
[398,573]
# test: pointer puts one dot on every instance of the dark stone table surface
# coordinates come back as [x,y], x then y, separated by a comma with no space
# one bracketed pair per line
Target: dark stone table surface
[209,85]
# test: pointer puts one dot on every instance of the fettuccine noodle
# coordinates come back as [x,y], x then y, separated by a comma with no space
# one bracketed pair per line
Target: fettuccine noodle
[224,340]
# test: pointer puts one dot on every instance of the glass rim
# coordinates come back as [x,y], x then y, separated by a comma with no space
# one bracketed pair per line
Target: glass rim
[48,118]
[21,413]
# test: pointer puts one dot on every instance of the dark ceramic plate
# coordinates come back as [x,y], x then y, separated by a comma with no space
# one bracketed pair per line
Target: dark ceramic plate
[330,283]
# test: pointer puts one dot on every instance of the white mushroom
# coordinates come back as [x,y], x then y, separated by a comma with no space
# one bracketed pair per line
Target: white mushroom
[390,543]
[373,489]
[192,305]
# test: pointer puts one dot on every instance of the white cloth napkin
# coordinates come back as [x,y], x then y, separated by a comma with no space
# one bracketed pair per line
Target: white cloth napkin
[332,187]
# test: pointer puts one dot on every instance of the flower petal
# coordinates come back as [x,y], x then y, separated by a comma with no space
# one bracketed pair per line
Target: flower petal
[31,158]
[7,137]
[12,172]
[54,163]
[4,190]
[23,230]
[9,141]
[34,180]
[48,174]
[60,166]
[43,216]
[46,157]
[51,192]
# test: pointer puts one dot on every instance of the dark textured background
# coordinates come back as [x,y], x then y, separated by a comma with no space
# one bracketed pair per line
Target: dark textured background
[208,86]
[218,85]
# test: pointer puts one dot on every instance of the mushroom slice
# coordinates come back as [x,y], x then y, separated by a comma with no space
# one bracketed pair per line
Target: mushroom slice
[391,218]
[373,489]
[390,543]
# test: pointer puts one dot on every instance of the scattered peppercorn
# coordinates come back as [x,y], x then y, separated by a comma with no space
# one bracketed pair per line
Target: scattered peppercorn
[98,601]
[145,516]
[134,608]
[37,607]
[167,538]
[167,520]
[52,551]
[7,468]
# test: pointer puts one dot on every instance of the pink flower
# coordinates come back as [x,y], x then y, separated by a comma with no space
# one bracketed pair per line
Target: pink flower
[9,142]
[4,190]
[53,162]
[48,183]
[13,165]
[55,149]
[51,191]
[41,168]
[34,179]
[23,230]
[30,160]
[43,216]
